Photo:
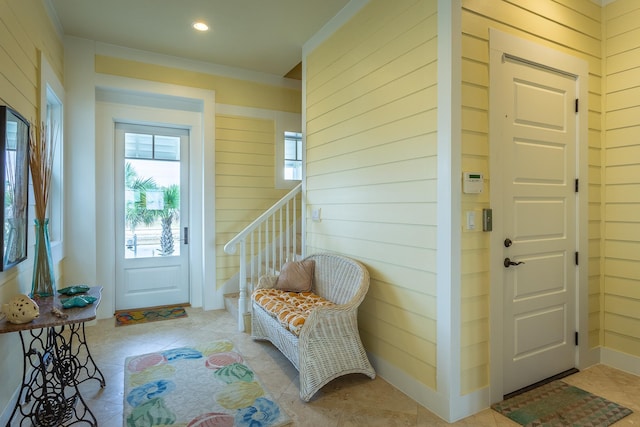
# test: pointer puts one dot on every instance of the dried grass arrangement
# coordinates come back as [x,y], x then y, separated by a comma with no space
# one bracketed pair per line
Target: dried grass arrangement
[41,151]
[41,154]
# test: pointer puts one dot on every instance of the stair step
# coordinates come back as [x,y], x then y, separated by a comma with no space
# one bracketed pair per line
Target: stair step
[231,303]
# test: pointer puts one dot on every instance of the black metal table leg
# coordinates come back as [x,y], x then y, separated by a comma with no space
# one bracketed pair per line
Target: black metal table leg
[79,357]
[46,396]
[56,360]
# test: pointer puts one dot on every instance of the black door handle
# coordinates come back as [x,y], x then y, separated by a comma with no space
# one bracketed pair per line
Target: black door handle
[508,263]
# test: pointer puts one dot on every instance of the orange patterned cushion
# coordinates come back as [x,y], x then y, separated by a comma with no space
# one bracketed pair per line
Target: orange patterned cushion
[290,308]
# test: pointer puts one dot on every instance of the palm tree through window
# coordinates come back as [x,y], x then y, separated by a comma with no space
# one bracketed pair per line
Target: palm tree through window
[152,194]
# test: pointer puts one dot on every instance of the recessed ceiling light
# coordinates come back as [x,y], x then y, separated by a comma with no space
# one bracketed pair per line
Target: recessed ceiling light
[200,26]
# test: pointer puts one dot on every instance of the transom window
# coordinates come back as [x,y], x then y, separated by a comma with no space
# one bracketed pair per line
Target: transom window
[152,147]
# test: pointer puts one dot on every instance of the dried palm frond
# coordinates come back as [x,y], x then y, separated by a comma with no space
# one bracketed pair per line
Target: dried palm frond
[41,149]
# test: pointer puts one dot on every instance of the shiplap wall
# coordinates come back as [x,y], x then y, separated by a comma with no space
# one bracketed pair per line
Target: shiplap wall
[371,169]
[245,181]
[231,91]
[570,26]
[25,30]
[622,178]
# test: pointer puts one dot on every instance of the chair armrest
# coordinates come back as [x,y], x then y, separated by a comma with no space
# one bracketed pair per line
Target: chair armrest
[319,320]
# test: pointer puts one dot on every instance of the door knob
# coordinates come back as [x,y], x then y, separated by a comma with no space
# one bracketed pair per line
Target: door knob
[507,242]
[508,263]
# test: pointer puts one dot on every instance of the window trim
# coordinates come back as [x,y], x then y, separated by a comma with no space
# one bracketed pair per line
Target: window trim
[52,94]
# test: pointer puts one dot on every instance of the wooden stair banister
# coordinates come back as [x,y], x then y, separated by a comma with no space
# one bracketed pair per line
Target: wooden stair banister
[265,244]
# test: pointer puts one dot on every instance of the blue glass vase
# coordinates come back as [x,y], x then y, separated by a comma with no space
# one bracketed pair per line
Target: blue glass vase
[44,282]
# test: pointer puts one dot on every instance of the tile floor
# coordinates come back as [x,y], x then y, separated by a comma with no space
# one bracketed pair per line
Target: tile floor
[354,400]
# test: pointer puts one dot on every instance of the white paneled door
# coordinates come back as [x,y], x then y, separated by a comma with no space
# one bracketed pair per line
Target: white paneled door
[538,143]
[152,256]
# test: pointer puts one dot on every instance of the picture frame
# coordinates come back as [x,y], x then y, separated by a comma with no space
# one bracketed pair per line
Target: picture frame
[14,168]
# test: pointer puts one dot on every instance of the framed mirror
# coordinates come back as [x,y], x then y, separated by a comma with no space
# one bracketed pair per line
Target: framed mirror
[14,167]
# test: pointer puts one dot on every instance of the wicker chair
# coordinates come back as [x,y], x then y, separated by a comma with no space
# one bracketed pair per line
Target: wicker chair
[329,344]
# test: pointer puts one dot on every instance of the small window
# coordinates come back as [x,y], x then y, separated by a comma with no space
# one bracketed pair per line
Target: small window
[289,152]
[292,156]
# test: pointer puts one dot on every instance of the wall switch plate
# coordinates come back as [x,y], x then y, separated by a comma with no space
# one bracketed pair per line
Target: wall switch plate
[315,214]
[471,220]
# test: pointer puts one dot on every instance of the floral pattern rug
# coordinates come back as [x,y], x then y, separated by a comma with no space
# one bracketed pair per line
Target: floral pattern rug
[204,386]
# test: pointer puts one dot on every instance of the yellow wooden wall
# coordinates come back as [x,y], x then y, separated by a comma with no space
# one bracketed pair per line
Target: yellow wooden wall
[245,181]
[228,90]
[621,311]
[25,31]
[570,26]
[371,169]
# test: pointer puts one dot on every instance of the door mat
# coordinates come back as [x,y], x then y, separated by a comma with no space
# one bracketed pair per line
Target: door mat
[206,385]
[145,315]
[560,404]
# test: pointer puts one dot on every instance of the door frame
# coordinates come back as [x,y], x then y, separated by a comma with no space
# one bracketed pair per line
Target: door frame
[501,43]
[116,97]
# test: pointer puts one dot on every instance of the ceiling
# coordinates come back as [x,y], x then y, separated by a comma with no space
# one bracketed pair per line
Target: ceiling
[260,35]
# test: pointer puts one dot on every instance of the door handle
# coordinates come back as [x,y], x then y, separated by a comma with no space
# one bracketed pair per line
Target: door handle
[508,263]
[186,235]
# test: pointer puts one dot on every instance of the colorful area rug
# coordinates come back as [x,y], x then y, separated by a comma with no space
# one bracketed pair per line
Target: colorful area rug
[560,404]
[202,386]
[133,317]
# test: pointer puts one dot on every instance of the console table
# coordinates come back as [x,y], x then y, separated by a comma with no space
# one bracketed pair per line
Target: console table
[56,360]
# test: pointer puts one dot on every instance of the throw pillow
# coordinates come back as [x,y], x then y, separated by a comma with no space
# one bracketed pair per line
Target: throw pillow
[296,276]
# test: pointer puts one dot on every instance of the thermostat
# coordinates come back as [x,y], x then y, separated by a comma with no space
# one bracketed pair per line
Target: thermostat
[472,182]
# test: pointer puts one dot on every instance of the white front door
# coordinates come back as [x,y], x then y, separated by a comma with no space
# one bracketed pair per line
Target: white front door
[152,255]
[539,146]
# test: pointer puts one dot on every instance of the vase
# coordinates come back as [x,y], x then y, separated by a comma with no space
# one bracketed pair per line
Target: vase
[44,282]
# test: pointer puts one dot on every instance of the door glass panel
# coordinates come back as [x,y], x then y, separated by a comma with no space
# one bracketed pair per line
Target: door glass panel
[152,195]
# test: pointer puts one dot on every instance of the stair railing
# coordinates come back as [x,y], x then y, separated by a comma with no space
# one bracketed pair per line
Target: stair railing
[266,244]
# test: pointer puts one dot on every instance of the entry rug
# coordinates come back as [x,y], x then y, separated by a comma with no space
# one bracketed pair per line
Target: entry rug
[202,386]
[560,404]
[133,317]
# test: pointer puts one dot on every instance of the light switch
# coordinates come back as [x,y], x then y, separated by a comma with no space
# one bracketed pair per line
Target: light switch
[471,220]
[315,214]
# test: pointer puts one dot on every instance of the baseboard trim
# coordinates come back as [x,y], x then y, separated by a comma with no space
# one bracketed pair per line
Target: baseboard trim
[470,404]
[421,393]
[591,357]
[455,410]
[619,360]
[8,410]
